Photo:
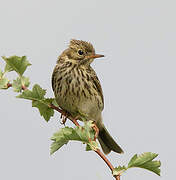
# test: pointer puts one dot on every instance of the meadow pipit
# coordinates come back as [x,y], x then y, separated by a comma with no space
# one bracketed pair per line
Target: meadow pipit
[78,91]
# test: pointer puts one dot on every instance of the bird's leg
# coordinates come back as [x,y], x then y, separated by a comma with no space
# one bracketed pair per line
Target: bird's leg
[96,129]
[63,117]
[75,121]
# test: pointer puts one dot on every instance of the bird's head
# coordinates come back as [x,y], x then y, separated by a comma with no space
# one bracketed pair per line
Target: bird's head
[80,52]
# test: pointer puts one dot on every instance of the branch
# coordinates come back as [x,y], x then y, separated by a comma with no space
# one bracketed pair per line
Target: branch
[97,150]
[77,124]
[63,112]
[46,109]
[106,161]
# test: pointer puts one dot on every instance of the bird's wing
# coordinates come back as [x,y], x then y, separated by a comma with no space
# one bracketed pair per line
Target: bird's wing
[97,84]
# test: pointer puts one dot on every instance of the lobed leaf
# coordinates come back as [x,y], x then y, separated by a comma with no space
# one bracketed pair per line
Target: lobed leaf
[145,161]
[141,159]
[36,94]
[59,139]
[64,135]
[44,109]
[16,63]
[39,101]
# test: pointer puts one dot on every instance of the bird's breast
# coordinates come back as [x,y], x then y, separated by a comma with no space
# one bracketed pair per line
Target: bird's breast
[75,90]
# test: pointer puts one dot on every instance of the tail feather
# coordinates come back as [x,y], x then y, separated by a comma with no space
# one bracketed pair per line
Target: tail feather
[107,142]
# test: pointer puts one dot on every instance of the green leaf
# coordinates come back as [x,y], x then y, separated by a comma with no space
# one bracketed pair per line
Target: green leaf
[37,93]
[152,166]
[88,128]
[48,101]
[145,161]
[39,101]
[44,109]
[4,83]
[25,81]
[19,83]
[8,68]
[64,135]
[132,160]
[141,159]
[118,170]
[16,63]
[17,87]
[88,147]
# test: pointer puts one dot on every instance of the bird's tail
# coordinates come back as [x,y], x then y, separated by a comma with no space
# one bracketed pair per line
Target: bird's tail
[107,142]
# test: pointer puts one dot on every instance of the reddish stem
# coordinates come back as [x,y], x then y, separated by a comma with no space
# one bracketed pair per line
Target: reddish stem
[97,150]
[74,120]
[106,161]
[22,87]
[9,85]
[63,112]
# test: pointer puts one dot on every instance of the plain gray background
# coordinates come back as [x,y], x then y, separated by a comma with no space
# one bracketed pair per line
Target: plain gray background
[137,75]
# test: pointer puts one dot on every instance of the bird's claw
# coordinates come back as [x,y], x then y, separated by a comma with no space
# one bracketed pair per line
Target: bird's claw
[96,129]
[63,117]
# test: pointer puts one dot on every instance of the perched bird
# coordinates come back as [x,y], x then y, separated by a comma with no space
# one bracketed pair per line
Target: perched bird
[78,91]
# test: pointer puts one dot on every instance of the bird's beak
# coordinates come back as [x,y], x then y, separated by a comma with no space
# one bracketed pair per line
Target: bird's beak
[95,56]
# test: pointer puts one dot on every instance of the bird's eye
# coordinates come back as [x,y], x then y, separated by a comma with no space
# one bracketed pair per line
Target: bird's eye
[80,52]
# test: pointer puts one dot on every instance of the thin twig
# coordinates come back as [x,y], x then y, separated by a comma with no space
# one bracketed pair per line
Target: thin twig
[106,161]
[77,124]
[63,112]
[97,150]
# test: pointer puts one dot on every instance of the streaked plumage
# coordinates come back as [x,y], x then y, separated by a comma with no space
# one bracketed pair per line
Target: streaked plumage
[77,88]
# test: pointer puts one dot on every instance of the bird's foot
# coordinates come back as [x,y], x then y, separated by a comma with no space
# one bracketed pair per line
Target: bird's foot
[96,129]
[75,121]
[63,117]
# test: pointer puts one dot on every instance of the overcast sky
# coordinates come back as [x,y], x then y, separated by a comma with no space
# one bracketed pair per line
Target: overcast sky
[137,75]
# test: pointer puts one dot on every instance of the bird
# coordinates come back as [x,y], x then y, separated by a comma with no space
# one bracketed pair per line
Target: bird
[78,91]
